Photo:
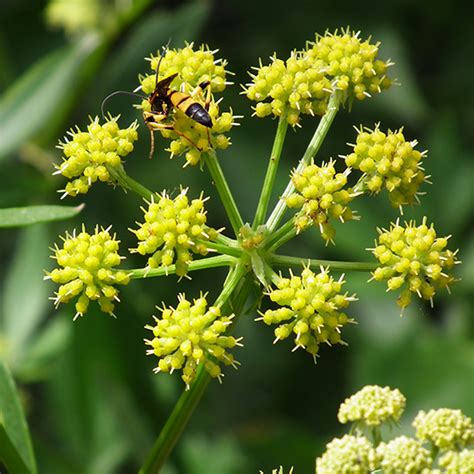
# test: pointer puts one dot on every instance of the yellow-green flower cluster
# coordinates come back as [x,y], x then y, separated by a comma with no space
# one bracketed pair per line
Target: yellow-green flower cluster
[75,16]
[458,462]
[193,67]
[349,454]
[413,257]
[404,455]
[321,196]
[190,334]
[88,156]
[173,230]
[293,87]
[310,309]
[372,406]
[87,270]
[279,471]
[445,428]
[388,161]
[350,64]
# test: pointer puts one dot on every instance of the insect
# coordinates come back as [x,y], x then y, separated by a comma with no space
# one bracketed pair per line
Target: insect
[164,99]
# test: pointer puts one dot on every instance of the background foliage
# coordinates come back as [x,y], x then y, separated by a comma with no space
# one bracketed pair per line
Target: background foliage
[92,402]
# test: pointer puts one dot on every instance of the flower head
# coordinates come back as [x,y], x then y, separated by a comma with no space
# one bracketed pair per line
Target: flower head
[349,454]
[86,270]
[190,334]
[193,68]
[321,196]
[458,462]
[88,156]
[415,258]
[445,428]
[173,230]
[388,161]
[75,16]
[293,87]
[404,455]
[372,406]
[310,308]
[350,64]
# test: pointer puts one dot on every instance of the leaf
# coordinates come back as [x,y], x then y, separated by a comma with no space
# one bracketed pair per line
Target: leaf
[16,451]
[22,216]
[38,102]
[25,297]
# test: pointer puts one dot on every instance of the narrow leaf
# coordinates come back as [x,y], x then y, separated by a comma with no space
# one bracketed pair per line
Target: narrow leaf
[16,451]
[21,216]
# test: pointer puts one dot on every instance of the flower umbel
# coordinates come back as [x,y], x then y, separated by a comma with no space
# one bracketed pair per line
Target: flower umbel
[388,161]
[310,309]
[349,454]
[190,334]
[321,196]
[458,462]
[349,63]
[87,271]
[88,156]
[372,406]
[404,455]
[173,230]
[413,257]
[445,428]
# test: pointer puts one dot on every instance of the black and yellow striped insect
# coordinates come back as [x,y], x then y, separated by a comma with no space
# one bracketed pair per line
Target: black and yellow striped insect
[164,99]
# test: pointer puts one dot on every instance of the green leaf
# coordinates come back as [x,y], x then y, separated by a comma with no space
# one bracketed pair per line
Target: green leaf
[39,101]
[25,297]
[21,216]
[16,451]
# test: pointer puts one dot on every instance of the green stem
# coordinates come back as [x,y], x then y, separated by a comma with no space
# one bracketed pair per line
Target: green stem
[233,297]
[311,151]
[285,233]
[224,191]
[224,249]
[122,179]
[314,264]
[271,171]
[202,264]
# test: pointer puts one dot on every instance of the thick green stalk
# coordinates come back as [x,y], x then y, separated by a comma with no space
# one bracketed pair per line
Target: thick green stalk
[224,249]
[232,299]
[202,264]
[271,171]
[285,233]
[314,264]
[224,191]
[311,151]
[124,180]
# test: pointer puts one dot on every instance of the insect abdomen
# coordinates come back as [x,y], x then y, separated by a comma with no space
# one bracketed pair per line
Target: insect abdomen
[199,114]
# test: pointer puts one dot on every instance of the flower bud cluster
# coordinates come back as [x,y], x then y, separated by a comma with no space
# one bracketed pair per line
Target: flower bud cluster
[414,258]
[351,65]
[86,270]
[293,86]
[173,230]
[351,454]
[372,406]
[190,334]
[445,428]
[193,66]
[321,196]
[88,156]
[388,161]
[404,454]
[310,309]
[461,462]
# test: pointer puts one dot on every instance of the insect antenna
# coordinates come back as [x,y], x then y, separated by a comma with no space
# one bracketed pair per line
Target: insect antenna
[116,93]
[165,49]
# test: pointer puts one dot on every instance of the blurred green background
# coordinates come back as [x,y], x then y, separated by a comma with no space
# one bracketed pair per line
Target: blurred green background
[91,399]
